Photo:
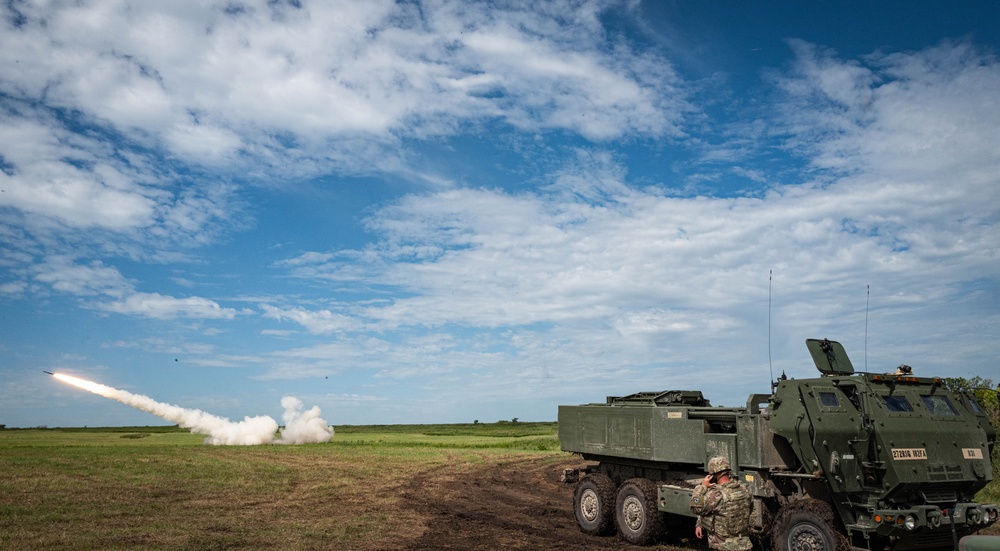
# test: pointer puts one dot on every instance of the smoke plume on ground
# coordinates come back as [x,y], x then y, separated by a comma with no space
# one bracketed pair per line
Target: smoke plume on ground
[301,427]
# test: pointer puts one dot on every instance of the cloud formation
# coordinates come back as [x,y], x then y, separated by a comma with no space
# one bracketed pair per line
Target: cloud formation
[490,203]
[104,288]
[131,118]
[626,265]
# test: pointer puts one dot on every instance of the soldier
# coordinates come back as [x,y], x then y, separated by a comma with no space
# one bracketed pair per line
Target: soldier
[723,506]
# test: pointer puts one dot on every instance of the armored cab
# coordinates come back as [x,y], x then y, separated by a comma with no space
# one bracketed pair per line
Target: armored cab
[877,461]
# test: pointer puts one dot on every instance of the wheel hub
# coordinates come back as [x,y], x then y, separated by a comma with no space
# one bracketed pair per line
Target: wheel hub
[632,511]
[589,505]
[807,537]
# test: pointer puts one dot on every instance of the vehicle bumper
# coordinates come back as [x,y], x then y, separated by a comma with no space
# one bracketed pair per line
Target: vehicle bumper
[924,518]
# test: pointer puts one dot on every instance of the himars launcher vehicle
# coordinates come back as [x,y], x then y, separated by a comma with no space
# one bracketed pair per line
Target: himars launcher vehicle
[864,460]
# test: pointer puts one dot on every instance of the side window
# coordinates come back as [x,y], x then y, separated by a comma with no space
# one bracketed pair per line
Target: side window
[829,400]
[974,405]
[939,405]
[898,403]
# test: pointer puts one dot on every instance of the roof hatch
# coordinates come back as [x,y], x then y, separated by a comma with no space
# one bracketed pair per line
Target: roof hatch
[830,357]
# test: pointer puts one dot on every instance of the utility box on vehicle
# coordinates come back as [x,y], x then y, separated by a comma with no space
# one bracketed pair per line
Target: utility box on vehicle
[846,459]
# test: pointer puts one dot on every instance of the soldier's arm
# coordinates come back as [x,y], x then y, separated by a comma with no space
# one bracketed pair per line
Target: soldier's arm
[711,500]
[698,500]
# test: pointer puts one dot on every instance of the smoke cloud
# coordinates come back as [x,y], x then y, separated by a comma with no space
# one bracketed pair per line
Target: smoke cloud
[301,427]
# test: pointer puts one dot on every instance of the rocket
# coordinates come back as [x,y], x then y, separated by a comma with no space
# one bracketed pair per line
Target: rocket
[49,372]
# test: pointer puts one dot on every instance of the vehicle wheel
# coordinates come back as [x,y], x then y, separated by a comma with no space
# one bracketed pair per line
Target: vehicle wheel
[806,525]
[639,521]
[594,504]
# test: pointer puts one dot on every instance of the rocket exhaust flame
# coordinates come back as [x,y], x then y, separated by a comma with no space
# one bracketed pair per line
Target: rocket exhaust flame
[301,427]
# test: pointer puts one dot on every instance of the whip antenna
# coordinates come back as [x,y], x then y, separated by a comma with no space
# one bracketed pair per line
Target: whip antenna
[868,296]
[769,368]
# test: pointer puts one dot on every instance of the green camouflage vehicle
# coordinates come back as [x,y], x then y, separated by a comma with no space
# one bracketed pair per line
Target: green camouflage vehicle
[846,459]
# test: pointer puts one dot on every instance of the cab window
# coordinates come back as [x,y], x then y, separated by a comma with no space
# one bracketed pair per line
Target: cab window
[898,403]
[939,405]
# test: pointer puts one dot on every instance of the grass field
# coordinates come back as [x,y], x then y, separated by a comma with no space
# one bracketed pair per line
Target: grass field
[144,487]
[161,488]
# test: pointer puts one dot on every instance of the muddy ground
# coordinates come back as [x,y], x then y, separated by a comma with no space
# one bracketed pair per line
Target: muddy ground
[516,505]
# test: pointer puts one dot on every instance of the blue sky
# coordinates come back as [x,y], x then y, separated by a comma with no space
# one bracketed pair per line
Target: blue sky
[452,211]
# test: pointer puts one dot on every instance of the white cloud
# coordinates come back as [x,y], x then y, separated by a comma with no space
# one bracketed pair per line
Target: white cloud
[322,321]
[127,121]
[918,116]
[209,81]
[203,144]
[73,192]
[64,175]
[306,259]
[106,289]
[94,279]
[13,288]
[604,273]
[157,306]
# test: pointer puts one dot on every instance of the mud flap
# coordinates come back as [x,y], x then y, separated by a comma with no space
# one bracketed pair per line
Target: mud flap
[675,500]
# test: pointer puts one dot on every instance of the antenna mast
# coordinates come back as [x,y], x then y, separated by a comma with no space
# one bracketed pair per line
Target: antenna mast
[868,295]
[769,368]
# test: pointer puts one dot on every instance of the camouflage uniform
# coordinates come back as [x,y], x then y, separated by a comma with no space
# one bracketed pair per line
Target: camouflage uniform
[724,514]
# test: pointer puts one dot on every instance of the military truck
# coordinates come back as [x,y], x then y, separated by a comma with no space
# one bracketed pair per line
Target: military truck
[846,459]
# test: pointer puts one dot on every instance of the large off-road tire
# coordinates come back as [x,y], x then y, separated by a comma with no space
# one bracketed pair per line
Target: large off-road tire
[806,525]
[639,521]
[594,505]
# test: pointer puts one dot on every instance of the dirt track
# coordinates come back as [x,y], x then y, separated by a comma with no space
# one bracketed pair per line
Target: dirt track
[518,504]
[515,505]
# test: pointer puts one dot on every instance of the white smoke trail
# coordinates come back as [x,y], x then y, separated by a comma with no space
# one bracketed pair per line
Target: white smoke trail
[300,427]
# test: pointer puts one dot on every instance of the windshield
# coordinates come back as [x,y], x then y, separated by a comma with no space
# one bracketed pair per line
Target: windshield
[898,403]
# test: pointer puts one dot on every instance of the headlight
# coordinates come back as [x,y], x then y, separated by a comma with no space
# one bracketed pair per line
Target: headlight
[910,523]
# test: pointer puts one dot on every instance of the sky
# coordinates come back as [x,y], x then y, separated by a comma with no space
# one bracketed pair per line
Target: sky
[455,211]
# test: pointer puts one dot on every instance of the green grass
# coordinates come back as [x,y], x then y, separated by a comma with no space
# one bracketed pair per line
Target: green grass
[528,437]
[498,430]
[161,488]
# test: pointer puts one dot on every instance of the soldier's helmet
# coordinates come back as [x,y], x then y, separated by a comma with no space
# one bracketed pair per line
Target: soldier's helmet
[718,465]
